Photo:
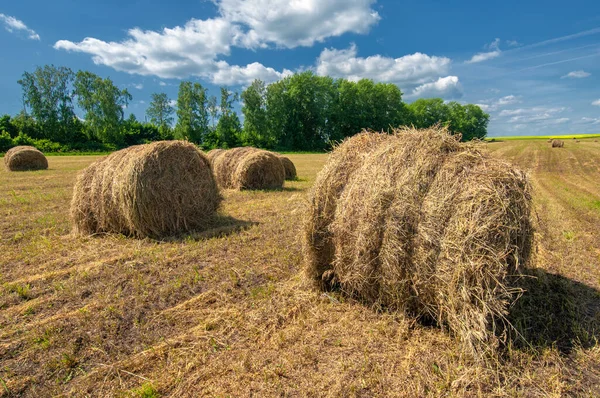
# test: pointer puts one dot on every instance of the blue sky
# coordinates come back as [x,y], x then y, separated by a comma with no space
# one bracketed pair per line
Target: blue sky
[533,65]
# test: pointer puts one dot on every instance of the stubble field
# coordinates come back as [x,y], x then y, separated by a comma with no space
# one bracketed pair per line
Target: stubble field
[228,313]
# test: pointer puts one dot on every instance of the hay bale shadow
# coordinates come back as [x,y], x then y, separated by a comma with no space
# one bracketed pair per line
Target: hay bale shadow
[554,311]
[220,226]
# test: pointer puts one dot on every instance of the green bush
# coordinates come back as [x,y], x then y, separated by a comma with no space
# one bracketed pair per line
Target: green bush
[22,139]
[5,141]
[45,145]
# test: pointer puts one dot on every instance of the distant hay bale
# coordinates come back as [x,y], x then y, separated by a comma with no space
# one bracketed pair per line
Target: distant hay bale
[212,154]
[419,223]
[549,141]
[23,158]
[248,168]
[290,169]
[154,190]
[558,143]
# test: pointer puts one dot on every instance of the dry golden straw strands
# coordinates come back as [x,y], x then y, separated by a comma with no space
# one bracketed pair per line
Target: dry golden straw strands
[418,222]
[154,190]
[23,158]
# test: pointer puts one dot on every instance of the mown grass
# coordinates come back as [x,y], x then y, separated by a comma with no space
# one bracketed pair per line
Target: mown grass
[229,314]
[543,137]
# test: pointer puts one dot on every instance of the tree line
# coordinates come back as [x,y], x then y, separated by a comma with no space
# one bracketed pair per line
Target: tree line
[302,112]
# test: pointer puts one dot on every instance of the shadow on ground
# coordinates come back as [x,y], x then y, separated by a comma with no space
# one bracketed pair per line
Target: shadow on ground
[218,227]
[555,311]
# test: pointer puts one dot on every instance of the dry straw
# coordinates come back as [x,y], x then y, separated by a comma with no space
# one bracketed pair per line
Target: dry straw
[290,169]
[23,158]
[419,223]
[212,154]
[155,190]
[558,143]
[248,168]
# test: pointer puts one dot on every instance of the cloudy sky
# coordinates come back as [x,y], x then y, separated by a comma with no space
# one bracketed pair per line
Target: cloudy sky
[534,66]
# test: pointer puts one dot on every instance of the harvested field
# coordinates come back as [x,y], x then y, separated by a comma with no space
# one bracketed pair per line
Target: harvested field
[229,314]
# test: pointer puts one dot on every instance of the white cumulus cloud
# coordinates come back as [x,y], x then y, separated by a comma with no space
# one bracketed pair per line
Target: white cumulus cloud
[292,23]
[576,74]
[407,72]
[596,103]
[12,24]
[484,56]
[198,47]
[445,87]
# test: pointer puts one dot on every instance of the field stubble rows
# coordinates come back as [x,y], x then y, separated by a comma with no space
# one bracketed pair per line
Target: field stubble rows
[228,314]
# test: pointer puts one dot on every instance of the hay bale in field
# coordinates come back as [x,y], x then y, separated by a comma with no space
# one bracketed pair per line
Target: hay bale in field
[424,225]
[213,153]
[154,190]
[558,143]
[23,158]
[549,141]
[248,168]
[330,182]
[290,169]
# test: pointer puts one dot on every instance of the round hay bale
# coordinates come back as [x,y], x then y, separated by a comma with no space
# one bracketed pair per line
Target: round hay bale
[329,185]
[433,228]
[225,163]
[558,143]
[248,168]
[23,158]
[155,190]
[290,169]
[259,170]
[213,153]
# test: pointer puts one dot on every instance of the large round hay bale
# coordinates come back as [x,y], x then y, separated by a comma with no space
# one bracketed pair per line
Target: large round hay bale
[288,166]
[330,182]
[155,190]
[213,153]
[22,158]
[558,143]
[428,226]
[248,168]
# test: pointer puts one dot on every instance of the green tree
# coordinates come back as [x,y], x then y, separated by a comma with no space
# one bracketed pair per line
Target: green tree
[213,109]
[192,113]
[160,113]
[47,93]
[229,128]
[7,125]
[255,116]
[299,111]
[103,103]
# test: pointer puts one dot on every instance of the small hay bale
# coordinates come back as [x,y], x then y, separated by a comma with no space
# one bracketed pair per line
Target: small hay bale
[424,225]
[290,169]
[248,168]
[259,170]
[23,158]
[212,154]
[558,143]
[155,190]
[225,164]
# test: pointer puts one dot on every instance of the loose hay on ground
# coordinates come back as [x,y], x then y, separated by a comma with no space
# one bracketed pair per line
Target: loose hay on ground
[417,222]
[22,158]
[154,190]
